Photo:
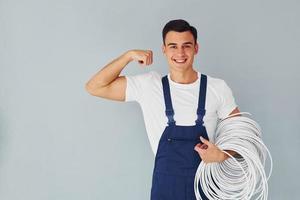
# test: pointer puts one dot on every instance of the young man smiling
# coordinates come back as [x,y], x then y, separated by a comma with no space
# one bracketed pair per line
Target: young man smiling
[180,110]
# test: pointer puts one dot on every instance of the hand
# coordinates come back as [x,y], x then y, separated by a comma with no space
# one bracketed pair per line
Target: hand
[210,152]
[144,57]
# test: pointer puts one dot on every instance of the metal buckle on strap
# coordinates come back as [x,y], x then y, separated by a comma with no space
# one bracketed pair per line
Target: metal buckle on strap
[201,112]
[170,119]
[200,115]
[169,112]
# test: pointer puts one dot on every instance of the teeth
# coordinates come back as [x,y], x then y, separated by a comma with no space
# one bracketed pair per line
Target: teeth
[180,61]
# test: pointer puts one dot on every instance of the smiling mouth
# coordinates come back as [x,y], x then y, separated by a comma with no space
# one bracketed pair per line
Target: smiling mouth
[180,61]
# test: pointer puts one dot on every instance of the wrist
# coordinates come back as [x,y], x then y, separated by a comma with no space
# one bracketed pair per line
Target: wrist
[128,56]
[223,156]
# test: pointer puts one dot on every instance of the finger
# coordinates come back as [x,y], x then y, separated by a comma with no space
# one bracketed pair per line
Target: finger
[151,57]
[199,144]
[140,60]
[199,150]
[205,141]
[199,147]
[144,60]
[202,146]
[148,59]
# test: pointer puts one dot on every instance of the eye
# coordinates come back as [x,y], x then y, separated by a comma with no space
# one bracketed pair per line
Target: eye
[173,47]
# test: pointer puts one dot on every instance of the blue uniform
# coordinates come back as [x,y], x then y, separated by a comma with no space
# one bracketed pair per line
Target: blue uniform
[176,161]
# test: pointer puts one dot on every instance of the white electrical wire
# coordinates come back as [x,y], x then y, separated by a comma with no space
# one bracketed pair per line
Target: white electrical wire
[238,177]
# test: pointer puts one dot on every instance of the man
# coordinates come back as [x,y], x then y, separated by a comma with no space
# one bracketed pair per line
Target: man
[180,110]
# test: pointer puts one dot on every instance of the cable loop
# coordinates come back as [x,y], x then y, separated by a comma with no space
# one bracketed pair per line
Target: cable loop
[238,177]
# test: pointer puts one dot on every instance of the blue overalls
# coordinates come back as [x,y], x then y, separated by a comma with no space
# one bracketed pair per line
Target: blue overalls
[176,161]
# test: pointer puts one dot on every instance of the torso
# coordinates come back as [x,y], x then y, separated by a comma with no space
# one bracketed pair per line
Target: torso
[184,99]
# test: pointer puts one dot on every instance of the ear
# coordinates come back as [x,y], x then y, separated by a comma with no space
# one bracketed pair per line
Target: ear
[196,48]
[163,48]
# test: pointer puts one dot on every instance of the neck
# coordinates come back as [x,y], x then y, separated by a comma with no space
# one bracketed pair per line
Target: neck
[184,77]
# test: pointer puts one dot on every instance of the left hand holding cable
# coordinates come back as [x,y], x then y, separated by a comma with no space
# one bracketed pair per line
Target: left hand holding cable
[210,152]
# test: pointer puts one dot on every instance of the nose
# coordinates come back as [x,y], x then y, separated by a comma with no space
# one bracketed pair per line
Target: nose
[180,51]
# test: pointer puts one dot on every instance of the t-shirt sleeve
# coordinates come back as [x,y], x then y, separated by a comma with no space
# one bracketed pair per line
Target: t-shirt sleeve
[227,102]
[135,86]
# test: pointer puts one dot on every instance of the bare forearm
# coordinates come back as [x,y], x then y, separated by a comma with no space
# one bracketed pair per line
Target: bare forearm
[110,72]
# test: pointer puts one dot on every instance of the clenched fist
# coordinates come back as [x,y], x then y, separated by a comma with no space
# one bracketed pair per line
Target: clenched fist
[144,57]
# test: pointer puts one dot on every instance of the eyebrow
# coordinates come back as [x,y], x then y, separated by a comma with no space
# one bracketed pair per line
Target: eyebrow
[176,43]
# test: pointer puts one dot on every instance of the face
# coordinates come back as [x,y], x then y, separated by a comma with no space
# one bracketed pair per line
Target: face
[180,49]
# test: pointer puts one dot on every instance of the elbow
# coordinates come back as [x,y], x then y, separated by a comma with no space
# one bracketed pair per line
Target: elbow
[90,89]
[93,90]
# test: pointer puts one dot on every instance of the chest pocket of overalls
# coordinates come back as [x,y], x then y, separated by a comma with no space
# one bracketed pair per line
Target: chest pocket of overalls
[182,148]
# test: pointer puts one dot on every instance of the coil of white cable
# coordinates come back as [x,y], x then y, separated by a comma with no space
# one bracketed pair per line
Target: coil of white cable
[238,177]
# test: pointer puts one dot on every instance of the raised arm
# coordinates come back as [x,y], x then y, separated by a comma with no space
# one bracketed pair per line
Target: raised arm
[108,84]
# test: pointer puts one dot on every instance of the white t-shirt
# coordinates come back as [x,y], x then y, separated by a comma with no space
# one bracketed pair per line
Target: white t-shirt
[146,89]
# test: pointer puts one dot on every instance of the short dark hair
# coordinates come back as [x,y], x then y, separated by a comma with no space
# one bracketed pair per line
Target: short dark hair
[178,25]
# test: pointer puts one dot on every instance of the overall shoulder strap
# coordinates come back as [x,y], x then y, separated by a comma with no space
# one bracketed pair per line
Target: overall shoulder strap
[168,102]
[201,100]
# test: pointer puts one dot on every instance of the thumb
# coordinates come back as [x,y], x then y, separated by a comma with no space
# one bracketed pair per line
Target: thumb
[198,149]
[205,141]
